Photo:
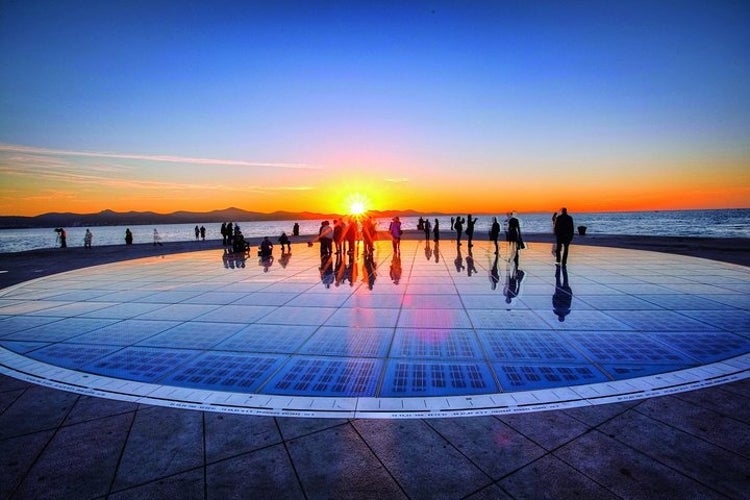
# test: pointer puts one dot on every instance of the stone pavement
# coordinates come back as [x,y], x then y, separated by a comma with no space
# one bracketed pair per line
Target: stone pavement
[58,444]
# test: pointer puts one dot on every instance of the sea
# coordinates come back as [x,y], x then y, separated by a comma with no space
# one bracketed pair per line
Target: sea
[720,223]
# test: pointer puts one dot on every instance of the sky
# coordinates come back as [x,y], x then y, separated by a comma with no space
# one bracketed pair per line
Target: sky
[480,107]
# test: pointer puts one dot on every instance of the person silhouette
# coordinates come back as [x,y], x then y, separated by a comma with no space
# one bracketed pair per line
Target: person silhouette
[295,229]
[87,239]
[203,233]
[197,232]
[369,270]
[128,237]
[157,238]
[326,270]
[470,267]
[459,227]
[426,227]
[459,260]
[513,279]
[284,242]
[495,273]
[394,229]
[563,235]
[396,268]
[563,296]
[436,231]
[495,234]
[514,239]
[470,230]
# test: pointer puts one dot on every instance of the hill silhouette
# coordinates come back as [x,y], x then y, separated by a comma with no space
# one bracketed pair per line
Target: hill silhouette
[112,218]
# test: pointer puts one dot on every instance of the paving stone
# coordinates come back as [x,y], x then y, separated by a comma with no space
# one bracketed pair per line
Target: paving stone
[548,429]
[188,485]
[39,408]
[550,478]
[162,442]
[336,463]
[421,461]
[229,435]
[723,470]
[79,462]
[629,473]
[17,455]
[489,443]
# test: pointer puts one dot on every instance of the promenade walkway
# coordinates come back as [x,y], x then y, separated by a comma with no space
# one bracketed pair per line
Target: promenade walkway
[378,355]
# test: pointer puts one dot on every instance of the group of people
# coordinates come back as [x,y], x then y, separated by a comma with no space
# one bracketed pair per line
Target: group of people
[344,236]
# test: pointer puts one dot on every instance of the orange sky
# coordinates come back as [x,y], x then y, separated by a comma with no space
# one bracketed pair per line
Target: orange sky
[35,181]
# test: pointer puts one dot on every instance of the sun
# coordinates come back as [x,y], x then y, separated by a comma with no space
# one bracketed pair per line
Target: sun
[357,208]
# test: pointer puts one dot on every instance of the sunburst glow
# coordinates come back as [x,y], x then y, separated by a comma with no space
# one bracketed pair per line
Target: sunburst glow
[357,208]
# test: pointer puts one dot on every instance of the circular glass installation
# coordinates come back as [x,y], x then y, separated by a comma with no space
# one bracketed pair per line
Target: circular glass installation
[435,330]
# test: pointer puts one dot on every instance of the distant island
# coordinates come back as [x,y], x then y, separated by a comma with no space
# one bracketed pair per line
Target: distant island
[112,218]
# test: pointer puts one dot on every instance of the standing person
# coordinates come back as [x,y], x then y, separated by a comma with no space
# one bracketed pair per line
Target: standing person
[436,231]
[427,229]
[87,238]
[368,235]
[459,227]
[203,233]
[470,230]
[128,237]
[395,230]
[157,238]
[224,233]
[514,239]
[495,233]
[62,237]
[554,245]
[325,237]
[197,232]
[295,229]
[351,236]
[338,234]
[563,235]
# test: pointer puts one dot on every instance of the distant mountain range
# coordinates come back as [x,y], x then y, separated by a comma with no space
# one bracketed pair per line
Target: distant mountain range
[112,218]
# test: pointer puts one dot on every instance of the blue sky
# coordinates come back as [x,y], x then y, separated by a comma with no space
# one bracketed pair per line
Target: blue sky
[426,93]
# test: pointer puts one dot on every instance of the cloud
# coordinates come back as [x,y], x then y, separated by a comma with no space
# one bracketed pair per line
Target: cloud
[11,148]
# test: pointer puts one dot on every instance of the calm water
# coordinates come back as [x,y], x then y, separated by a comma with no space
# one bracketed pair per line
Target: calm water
[734,223]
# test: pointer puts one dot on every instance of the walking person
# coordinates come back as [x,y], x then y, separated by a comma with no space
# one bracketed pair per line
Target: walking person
[563,236]
[495,233]
[515,240]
